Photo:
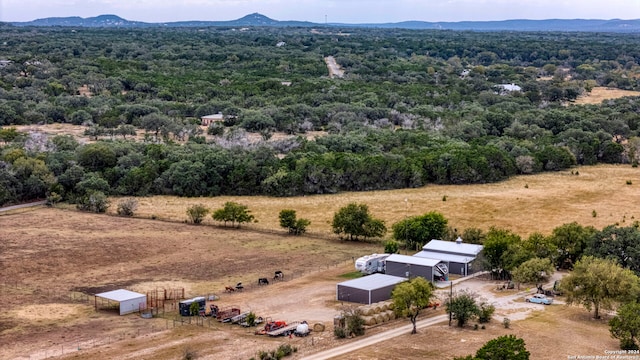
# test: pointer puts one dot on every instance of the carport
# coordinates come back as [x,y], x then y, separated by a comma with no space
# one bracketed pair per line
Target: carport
[128,301]
[368,290]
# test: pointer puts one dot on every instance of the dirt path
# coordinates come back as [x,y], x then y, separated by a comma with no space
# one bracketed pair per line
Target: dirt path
[347,348]
[334,69]
[15,207]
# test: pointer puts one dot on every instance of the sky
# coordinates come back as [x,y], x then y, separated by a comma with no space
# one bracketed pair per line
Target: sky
[334,11]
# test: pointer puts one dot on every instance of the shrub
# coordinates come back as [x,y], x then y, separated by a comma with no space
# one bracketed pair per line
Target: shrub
[629,182]
[127,207]
[506,323]
[95,201]
[594,213]
[486,312]
[391,247]
[189,354]
[251,319]
[197,213]
[340,332]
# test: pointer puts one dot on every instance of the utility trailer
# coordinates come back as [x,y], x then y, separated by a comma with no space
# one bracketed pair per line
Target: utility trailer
[239,318]
[225,315]
[286,330]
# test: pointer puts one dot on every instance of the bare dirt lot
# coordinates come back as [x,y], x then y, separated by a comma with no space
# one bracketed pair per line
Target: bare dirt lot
[51,257]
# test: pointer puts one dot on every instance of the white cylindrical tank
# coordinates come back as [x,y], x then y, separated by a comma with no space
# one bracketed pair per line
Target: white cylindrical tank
[302,329]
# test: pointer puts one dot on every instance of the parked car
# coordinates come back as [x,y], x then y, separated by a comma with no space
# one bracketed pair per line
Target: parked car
[539,299]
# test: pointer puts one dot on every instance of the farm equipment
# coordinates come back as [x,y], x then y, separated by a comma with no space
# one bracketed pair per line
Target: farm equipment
[225,315]
[239,318]
[279,328]
[185,306]
[257,321]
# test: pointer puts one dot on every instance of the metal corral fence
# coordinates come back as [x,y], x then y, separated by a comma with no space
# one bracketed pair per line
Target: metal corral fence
[12,288]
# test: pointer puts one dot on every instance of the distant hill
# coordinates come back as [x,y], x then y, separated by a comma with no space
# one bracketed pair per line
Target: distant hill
[256,19]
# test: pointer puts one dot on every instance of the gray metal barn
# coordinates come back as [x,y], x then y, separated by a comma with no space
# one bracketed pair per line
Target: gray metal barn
[368,289]
[460,256]
[412,266]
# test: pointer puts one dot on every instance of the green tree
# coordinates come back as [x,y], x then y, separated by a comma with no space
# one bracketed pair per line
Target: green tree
[599,283]
[197,213]
[496,248]
[507,347]
[234,213]
[94,201]
[391,247]
[97,157]
[289,221]
[463,307]
[619,243]
[410,297]
[354,220]
[571,242]
[533,271]
[625,326]
[418,230]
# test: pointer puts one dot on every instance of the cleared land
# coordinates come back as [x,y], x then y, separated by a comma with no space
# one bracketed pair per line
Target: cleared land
[46,252]
[600,94]
[524,204]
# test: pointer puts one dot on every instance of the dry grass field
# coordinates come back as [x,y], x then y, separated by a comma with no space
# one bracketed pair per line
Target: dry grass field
[523,204]
[46,252]
[600,94]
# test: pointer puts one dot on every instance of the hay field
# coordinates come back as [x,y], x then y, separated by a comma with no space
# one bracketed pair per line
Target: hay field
[523,204]
[600,94]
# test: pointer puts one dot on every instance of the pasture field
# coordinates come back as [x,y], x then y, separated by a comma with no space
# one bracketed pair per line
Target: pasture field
[600,94]
[50,256]
[523,204]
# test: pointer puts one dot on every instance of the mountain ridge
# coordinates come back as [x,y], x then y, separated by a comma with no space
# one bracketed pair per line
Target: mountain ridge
[259,20]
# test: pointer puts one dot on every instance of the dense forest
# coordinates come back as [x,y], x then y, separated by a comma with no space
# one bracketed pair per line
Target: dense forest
[413,108]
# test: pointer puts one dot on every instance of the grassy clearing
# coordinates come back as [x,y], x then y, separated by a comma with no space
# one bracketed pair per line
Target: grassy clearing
[523,204]
[600,94]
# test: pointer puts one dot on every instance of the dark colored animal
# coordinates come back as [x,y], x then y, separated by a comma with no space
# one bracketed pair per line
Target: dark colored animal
[229,289]
[239,286]
[263,281]
[278,275]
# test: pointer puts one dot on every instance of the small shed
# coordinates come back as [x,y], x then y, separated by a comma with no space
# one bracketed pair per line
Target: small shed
[412,266]
[368,289]
[128,301]
[210,119]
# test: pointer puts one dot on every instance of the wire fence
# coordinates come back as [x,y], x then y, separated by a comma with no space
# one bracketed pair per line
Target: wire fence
[46,295]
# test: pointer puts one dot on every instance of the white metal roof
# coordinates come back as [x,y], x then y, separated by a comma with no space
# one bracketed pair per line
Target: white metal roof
[453,247]
[413,260]
[372,282]
[445,257]
[120,295]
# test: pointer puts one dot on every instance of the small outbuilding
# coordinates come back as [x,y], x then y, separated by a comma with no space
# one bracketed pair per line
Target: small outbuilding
[412,266]
[368,289]
[210,119]
[128,301]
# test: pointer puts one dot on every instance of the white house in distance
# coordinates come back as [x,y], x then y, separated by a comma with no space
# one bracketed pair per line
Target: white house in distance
[508,88]
[210,119]
[459,256]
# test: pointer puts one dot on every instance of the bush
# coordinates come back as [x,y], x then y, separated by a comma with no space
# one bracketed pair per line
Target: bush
[506,323]
[127,207]
[251,319]
[95,201]
[340,332]
[197,213]
[486,312]
[391,247]
[628,344]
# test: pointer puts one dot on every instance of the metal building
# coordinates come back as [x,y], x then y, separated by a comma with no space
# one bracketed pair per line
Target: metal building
[412,266]
[128,301]
[368,289]
[459,256]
